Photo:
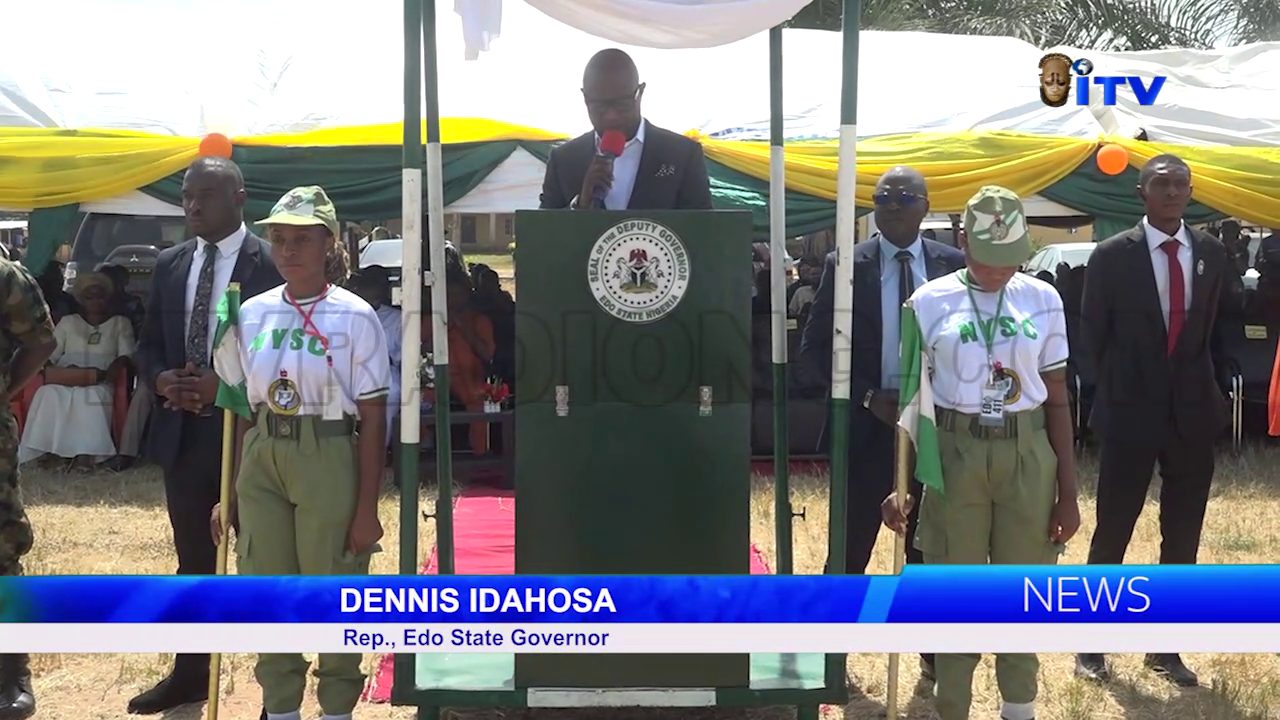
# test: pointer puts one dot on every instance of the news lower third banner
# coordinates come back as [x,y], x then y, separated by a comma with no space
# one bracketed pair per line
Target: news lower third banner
[926,609]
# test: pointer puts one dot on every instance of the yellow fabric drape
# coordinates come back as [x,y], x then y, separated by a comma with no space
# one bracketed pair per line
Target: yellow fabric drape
[955,165]
[1241,182]
[42,168]
[452,131]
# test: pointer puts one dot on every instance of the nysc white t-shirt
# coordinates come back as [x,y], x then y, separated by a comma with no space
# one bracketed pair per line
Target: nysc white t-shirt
[285,362]
[1030,338]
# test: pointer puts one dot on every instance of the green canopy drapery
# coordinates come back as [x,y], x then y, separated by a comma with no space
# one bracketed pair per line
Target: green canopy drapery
[365,182]
[1112,200]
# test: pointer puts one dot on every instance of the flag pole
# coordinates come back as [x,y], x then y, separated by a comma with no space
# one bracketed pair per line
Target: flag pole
[224,512]
[902,472]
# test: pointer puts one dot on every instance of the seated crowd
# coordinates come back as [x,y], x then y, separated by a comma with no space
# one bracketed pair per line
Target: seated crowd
[82,411]
[87,410]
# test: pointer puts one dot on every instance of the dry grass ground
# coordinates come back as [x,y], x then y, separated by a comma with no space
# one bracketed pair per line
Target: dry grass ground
[115,524]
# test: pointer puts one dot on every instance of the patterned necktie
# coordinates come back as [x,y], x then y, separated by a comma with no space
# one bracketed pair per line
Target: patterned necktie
[198,331]
[1177,293]
[906,281]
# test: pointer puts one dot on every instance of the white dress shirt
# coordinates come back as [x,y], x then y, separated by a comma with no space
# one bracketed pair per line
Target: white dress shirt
[224,263]
[625,168]
[1160,263]
[890,308]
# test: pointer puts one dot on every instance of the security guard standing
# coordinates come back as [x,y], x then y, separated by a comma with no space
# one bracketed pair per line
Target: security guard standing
[26,338]
[316,364]
[996,341]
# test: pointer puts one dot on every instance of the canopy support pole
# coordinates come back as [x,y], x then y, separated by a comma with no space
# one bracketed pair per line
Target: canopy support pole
[411,308]
[842,331]
[439,302]
[782,512]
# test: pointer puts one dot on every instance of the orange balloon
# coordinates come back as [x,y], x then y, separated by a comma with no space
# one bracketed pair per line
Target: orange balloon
[216,145]
[1112,159]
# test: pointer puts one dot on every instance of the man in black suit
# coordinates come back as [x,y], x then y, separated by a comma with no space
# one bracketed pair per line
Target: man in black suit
[1151,301]
[174,354]
[657,170]
[886,270]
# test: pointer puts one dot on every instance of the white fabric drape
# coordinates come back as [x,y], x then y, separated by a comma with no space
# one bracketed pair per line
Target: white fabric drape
[481,24]
[671,23]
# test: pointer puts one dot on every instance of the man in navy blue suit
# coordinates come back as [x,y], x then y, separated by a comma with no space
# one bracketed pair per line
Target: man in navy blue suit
[886,270]
[175,356]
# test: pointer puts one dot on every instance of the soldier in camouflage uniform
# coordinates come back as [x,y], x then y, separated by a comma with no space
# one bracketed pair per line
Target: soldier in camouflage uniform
[26,342]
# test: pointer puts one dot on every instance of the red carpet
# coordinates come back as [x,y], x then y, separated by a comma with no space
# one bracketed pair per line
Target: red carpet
[484,531]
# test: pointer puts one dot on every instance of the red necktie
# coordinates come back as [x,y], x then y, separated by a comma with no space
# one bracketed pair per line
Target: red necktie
[1177,293]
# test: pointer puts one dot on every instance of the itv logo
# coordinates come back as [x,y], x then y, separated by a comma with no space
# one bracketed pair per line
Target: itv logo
[1056,71]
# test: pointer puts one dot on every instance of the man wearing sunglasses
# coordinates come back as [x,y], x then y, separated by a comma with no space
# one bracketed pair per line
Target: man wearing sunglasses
[657,170]
[886,270]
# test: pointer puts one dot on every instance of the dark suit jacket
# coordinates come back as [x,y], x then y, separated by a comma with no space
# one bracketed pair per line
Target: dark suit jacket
[163,342]
[1143,393]
[815,343]
[672,174]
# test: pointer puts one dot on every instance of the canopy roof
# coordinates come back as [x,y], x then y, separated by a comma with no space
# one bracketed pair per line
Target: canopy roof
[264,66]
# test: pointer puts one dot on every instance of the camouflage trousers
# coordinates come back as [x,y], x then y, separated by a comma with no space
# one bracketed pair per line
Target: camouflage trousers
[15,529]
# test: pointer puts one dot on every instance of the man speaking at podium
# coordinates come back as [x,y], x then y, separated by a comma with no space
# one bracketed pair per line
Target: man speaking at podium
[626,162]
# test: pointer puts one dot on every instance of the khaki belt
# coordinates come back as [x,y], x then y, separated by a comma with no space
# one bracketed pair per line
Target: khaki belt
[1014,424]
[292,427]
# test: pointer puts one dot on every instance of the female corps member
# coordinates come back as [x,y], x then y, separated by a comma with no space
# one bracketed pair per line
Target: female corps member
[996,341]
[316,368]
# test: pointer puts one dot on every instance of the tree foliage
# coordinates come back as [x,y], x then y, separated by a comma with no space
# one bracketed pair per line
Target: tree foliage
[1086,24]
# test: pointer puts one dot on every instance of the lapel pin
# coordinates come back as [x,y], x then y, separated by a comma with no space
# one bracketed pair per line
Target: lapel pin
[1200,268]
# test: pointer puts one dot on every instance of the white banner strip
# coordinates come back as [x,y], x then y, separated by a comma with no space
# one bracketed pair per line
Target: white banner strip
[638,638]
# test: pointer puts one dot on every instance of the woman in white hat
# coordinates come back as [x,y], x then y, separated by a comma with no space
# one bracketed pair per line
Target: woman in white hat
[70,415]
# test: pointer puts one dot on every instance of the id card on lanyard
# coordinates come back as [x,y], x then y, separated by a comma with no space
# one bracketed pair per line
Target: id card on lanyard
[332,392]
[991,411]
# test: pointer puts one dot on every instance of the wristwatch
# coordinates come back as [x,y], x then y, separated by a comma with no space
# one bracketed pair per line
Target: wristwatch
[866,399]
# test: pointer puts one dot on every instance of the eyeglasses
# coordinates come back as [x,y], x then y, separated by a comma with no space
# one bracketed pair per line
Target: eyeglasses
[620,104]
[900,197]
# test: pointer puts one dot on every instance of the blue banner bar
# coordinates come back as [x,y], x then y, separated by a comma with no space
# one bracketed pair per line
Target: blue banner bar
[937,594]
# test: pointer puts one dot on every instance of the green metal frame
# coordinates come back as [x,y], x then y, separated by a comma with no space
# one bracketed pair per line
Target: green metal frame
[421,14]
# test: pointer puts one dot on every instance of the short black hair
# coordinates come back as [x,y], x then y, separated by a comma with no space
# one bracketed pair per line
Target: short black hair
[219,166]
[611,60]
[1155,163]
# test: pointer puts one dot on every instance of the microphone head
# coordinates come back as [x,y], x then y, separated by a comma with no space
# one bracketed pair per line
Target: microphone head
[612,143]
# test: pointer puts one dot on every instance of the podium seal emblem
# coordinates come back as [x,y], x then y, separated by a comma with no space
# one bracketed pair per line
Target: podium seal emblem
[638,271]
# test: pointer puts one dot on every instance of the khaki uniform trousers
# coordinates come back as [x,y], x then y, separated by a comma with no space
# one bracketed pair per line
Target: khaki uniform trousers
[1000,488]
[296,496]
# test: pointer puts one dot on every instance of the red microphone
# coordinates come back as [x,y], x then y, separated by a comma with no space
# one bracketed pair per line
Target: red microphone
[612,143]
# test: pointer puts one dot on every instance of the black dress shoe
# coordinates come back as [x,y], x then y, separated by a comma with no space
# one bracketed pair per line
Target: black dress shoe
[1092,667]
[17,700]
[1171,668]
[170,693]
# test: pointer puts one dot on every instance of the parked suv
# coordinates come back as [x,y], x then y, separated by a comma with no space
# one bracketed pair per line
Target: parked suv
[111,236]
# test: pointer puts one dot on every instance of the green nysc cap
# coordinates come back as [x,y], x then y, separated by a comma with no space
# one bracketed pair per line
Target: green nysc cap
[996,227]
[308,205]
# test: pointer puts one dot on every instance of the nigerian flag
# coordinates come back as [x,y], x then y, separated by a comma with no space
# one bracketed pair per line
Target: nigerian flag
[916,413]
[233,395]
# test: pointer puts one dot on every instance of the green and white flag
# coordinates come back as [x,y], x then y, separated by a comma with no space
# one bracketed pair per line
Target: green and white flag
[233,395]
[916,413]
